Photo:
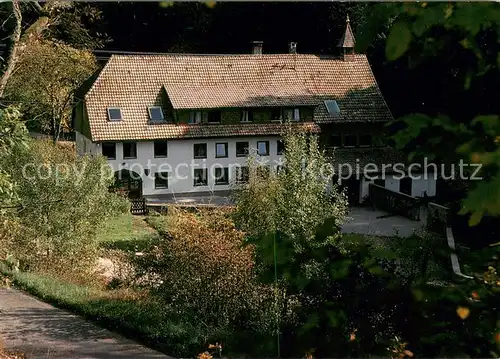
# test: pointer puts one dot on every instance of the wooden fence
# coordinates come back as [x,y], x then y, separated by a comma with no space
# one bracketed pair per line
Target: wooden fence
[138,206]
[394,202]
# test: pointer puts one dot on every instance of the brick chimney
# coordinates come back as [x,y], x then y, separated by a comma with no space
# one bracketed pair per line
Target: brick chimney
[292,47]
[257,47]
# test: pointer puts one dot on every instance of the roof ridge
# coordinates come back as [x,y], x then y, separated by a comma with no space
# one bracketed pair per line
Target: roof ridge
[184,54]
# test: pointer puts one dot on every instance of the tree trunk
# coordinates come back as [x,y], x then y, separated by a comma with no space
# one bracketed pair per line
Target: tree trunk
[12,59]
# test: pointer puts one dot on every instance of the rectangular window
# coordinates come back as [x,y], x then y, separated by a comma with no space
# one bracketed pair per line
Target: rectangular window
[246,116]
[161,180]
[160,148]
[129,150]
[280,147]
[155,113]
[336,140]
[200,176]
[221,176]
[365,140]
[350,140]
[200,150]
[114,113]
[287,114]
[241,149]
[242,174]
[276,114]
[296,114]
[263,148]
[194,117]
[332,107]
[220,150]
[109,150]
[214,117]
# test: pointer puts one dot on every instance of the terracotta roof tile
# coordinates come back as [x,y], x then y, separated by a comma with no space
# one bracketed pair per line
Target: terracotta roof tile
[178,131]
[134,82]
[360,157]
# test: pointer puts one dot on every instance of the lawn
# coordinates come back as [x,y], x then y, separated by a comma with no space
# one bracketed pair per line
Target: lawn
[127,232]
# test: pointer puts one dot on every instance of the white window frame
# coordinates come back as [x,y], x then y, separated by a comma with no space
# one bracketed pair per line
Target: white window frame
[267,148]
[245,116]
[114,108]
[194,118]
[161,112]
[225,145]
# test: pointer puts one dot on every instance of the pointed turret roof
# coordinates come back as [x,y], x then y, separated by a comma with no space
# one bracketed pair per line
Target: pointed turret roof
[347,40]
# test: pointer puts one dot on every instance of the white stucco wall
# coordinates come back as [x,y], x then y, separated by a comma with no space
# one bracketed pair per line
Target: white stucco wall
[421,185]
[392,183]
[418,186]
[181,162]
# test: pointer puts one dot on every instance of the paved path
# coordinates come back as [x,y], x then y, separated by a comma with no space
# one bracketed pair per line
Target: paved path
[365,220]
[42,331]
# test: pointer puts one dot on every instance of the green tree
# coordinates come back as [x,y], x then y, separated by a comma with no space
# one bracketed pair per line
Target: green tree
[63,201]
[13,134]
[297,199]
[418,31]
[46,75]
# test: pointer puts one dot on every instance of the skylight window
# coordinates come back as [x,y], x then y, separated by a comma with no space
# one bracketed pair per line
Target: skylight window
[332,107]
[155,113]
[114,113]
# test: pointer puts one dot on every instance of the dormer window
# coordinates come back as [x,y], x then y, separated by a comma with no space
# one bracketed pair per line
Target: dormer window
[155,113]
[247,116]
[332,107]
[214,117]
[115,113]
[194,117]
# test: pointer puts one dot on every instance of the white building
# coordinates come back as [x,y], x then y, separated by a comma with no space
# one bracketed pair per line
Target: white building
[177,123]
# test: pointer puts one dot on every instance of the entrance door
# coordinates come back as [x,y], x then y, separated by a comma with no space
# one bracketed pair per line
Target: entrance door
[130,182]
[353,187]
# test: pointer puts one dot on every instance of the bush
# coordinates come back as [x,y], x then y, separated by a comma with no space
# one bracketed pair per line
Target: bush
[294,201]
[204,271]
[64,201]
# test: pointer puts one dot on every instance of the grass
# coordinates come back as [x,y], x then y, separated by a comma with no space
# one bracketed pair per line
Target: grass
[129,311]
[127,233]
[132,314]
[159,223]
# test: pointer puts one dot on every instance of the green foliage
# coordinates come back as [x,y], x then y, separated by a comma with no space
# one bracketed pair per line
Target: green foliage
[398,40]
[45,78]
[64,201]
[294,201]
[421,30]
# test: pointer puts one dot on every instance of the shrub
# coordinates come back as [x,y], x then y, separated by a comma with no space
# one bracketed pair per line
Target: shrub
[64,201]
[206,273]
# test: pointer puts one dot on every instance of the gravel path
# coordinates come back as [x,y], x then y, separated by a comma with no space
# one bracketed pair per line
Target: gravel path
[43,331]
